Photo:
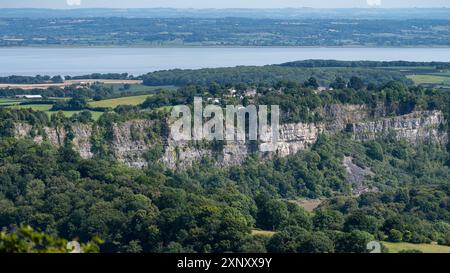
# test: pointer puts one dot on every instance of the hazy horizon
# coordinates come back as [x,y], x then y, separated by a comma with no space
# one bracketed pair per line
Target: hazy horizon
[254,8]
[220,4]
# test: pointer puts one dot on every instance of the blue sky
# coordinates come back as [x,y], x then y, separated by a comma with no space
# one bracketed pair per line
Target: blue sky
[220,3]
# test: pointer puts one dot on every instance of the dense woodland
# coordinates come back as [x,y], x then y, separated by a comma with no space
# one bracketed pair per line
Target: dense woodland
[267,74]
[30,79]
[209,209]
[158,210]
[206,209]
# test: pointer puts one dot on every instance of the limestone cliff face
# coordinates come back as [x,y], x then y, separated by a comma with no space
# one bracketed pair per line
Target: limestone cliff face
[338,116]
[82,140]
[130,142]
[22,130]
[416,127]
[297,136]
[180,154]
[293,138]
[54,136]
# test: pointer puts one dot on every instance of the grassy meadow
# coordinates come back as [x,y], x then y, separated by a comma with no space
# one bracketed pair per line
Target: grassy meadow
[431,79]
[112,103]
[425,248]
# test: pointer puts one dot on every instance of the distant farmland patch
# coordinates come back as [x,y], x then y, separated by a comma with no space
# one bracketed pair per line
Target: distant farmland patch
[36,107]
[431,79]
[112,103]
[6,102]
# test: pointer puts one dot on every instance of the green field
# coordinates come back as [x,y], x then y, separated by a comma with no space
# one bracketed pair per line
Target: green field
[431,79]
[6,102]
[112,103]
[11,101]
[263,232]
[36,107]
[425,248]
[46,108]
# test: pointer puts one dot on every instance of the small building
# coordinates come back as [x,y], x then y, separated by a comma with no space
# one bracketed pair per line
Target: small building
[29,97]
[232,93]
[213,100]
[323,88]
[250,93]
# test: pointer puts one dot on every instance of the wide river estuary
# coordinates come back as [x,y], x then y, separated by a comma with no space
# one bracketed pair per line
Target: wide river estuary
[79,61]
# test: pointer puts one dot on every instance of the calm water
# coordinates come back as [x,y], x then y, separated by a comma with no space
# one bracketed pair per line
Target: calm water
[136,61]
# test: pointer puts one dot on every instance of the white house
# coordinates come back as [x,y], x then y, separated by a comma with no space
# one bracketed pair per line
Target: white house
[250,93]
[29,96]
[213,100]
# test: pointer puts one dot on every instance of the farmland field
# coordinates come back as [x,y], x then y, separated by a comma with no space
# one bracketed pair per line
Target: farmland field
[426,248]
[6,102]
[432,79]
[112,103]
[36,107]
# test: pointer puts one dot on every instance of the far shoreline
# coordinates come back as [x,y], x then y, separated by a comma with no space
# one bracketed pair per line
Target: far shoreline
[138,46]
